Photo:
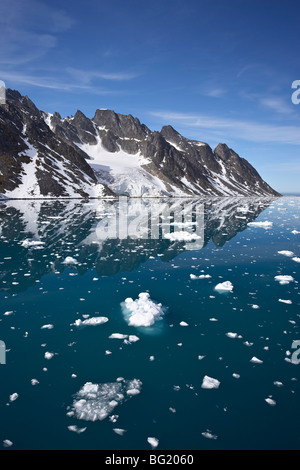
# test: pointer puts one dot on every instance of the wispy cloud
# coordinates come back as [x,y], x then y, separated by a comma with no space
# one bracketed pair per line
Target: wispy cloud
[54,84]
[87,76]
[226,128]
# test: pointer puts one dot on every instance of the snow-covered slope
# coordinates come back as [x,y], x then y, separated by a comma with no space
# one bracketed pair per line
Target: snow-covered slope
[43,155]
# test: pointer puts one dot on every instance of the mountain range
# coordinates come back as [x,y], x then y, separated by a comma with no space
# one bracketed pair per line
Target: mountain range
[43,155]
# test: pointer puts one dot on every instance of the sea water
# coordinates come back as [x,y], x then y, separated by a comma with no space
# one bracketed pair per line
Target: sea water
[158,323]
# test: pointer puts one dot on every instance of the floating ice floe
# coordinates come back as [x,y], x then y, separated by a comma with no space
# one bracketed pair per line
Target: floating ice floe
[119,431]
[13,396]
[296,259]
[181,236]
[225,286]
[270,401]
[284,279]
[256,360]
[183,323]
[118,336]
[201,276]
[32,243]
[76,429]
[294,232]
[93,321]
[233,335]
[209,382]
[208,434]
[95,402]
[47,327]
[34,382]
[286,253]
[48,355]
[7,443]
[70,260]
[153,441]
[142,311]
[266,224]
[285,301]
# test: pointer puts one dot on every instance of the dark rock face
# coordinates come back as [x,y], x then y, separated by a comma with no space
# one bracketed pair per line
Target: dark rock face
[60,150]
[28,148]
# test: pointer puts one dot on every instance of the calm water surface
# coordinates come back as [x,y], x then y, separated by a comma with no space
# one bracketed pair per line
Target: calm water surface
[66,384]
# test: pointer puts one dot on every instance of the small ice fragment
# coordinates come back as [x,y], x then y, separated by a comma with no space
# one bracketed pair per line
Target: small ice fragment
[256,360]
[224,286]
[270,401]
[286,253]
[70,260]
[47,327]
[7,443]
[183,323]
[8,312]
[118,336]
[202,276]
[284,279]
[296,259]
[266,224]
[133,338]
[255,306]
[93,321]
[13,396]
[285,301]
[76,429]
[231,335]
[153,441]
[236,376]
[48,355]
[119,431]
[34,382]
[209,435]
[209,382]
[181,236]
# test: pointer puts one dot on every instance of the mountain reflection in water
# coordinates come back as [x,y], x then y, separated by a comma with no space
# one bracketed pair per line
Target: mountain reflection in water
[111,236]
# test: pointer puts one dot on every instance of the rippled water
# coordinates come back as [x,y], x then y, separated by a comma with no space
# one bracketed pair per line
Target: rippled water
[191,366]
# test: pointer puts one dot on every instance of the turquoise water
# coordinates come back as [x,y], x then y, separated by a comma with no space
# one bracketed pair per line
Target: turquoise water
[120,249]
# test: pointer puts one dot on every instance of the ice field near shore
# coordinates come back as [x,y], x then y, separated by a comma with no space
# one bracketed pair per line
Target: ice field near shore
[150,324]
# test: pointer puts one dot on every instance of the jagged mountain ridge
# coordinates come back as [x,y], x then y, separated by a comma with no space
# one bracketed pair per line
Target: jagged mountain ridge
[45,155]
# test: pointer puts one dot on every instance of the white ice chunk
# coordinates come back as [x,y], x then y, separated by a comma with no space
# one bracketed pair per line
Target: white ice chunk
[118,336]
[286,253]
[208,434]
[256,360]
[13,396]
[93,321]
[153,441]
[284,279]
[47,327]
[296,259]
[270,401]
[76,429]
[285,301]
[142,311]
[209,382]
[266,224]
[181,236]
[95,402]
[48,355]
[70,260]
[226,286]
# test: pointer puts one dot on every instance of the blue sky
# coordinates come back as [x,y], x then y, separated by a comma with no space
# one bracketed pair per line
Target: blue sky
[216,70]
